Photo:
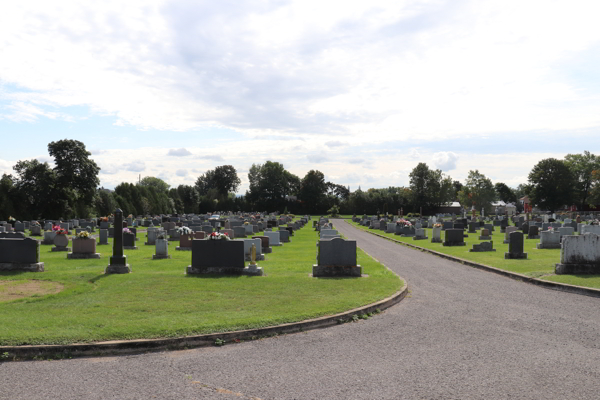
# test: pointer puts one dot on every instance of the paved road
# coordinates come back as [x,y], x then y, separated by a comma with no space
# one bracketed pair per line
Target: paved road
[461,334]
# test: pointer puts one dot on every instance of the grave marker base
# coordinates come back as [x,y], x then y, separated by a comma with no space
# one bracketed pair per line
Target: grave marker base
[160,256]
[34,267]
[183,248]
[333,271]
[130,247]
[571,269]
[547,246]
[118,269]
[61,249]
[515,256]
[249,271]
[77,256]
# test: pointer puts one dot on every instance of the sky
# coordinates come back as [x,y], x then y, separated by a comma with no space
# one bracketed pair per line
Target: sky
[362,91]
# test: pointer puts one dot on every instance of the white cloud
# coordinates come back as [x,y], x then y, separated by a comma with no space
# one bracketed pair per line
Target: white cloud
[179,152]
[317,158]
[181,172]
[214,157]
[335,143]
[445,160]
[135,166]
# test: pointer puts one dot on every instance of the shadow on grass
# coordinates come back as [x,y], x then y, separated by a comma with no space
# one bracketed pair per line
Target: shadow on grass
[13,272]
[217,276]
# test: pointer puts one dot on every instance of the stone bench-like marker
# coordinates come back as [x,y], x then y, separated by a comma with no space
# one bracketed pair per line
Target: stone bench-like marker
[336,257]
[224,257]
[420,234]
[549,240]
[20,254]
[579,255]
[454,237]
[83,249]
[483,246]
[515,247]
[485,235]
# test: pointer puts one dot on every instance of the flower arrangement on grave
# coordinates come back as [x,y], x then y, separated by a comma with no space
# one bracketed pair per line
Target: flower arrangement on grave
[404,223]
[161,236]
[104,219]
[60,231]
[246,223]
[184,230]
[218,236]
[126,230]
[550,228]
[437,225]
[83,235]
[35,223]
[11,219]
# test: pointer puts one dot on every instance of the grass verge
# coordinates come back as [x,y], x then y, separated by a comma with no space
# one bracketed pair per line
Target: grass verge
[540,263]
[157,300]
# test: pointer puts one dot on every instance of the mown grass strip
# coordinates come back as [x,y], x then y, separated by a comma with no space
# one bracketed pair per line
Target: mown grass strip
[157,300]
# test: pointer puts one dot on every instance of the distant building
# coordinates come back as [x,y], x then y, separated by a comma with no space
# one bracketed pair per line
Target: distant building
[450,208]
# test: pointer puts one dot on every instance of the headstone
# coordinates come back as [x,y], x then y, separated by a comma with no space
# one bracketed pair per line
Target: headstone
[248,247]
[483,246]
[219,257]
[485,235]
[454,237]
[18,254]
[533,232]
[515,246]
[579,255]
[118,261]
[549,240]
[284,235]
[336,257]
[507,233]
[274,239]
[420,234]
[436,234]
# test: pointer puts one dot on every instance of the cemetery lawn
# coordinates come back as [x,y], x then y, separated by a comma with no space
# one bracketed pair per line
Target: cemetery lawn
[159,300]
[540,263]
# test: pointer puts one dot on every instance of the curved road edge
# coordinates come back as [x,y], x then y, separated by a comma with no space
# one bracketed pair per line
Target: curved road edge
[563,287]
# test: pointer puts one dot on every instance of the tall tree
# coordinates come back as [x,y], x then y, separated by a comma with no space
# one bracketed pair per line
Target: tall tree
[77,174]
[223,179]
[504,193]
[477,191]
[8,197]
[269,184]
[39,191]
[551,184]
[313,192]
[430,188]
[582,168]
[157,183]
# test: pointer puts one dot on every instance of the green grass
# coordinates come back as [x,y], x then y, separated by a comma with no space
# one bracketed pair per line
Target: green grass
[539,263]
[158,300]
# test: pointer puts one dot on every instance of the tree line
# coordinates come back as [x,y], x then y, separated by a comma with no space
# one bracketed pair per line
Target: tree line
[71,189]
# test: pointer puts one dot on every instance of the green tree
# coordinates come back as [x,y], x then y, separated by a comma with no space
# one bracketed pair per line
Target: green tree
[105,203]
[552,184]
[39,191]
[76,173]
[477,191]
[504,193]
[313,192]
[157,183]
[189,198]
[8,197]
[430,188]
[223,178]
[269,184]
[582,167]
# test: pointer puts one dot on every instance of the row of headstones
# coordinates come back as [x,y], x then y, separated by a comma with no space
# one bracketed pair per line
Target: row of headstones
[335,256]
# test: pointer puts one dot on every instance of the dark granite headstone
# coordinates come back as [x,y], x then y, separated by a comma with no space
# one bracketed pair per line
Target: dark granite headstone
[454,237]
[118,261]
[515,246]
